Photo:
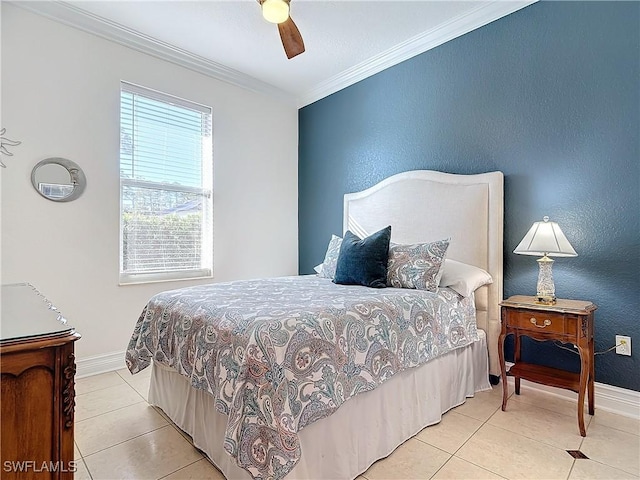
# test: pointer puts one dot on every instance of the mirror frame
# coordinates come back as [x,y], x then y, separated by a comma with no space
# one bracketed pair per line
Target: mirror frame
[78,180]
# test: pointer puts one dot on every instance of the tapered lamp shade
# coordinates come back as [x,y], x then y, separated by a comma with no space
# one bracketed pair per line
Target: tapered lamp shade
[545,238]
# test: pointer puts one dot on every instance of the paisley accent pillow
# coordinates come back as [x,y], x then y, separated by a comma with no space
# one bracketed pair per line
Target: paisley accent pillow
[417,265]
[328,269]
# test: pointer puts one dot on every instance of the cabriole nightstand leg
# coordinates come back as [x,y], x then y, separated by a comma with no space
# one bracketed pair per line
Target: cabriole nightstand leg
[503,370]
[592,369]
[584,375]
[516,359]
[590,388]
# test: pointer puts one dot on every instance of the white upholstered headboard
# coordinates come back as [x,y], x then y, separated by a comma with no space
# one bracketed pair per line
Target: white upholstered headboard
[423,206]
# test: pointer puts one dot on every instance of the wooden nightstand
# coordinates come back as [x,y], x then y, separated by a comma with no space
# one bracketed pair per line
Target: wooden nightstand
[568,321]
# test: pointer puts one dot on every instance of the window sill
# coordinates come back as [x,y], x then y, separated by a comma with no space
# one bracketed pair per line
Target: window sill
[164,277]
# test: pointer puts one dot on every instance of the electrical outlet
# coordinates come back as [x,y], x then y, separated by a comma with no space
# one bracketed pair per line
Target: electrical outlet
[623,345]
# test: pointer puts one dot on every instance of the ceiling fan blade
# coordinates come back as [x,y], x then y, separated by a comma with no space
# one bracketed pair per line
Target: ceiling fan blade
[291,38]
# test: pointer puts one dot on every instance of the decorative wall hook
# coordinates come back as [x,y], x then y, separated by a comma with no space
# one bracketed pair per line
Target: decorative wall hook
[3,143]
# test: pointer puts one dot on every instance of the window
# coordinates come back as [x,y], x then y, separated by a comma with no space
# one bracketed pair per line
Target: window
[166,177]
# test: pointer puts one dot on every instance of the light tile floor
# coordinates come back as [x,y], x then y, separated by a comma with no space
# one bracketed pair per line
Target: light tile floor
[119,436]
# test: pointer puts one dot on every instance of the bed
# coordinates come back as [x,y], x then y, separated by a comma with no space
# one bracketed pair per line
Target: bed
[269,414]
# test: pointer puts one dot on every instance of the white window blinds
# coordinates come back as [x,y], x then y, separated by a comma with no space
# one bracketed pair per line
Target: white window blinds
[165,187]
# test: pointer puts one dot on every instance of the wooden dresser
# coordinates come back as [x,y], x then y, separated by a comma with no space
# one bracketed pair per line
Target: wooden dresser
[37,397]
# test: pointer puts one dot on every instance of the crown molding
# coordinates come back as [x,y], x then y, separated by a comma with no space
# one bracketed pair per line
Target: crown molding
[73,16]
[416,45]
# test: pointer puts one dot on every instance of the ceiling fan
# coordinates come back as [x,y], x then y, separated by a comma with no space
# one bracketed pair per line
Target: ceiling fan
[277,11]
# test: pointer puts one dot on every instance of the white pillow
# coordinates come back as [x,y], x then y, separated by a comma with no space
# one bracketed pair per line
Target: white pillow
[318,269]
[463,278]
[330,262]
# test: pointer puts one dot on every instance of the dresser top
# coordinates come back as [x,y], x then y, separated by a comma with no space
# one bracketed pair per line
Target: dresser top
[27,314]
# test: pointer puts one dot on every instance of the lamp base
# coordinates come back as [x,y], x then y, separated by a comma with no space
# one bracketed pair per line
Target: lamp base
[545,299]
[546,290]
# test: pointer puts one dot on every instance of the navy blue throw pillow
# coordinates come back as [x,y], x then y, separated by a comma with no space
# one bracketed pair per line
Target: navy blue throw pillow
[364,261]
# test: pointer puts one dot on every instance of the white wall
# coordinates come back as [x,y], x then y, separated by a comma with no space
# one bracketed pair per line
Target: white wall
[60,97]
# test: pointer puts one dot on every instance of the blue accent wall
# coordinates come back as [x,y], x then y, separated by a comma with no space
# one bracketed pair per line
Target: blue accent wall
[550,96]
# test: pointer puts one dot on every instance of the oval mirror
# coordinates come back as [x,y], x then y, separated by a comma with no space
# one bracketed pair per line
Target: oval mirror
[58,179]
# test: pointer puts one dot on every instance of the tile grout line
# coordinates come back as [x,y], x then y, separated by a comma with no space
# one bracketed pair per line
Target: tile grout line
[182,433]
[534,439]
[181,468]
[87,468]
[143,397]
[108,386]
[119,408]
[118,385]
[137,375]
[125,441]
[102,449]
[529,438]
[109,411]
[474,433]
[600,462]
[486,422]
[451,455]
[441,467]
[469,416]
[483,422]
[580,450]
[580,447]
[590,420]
[550,409]
[100,389]
[573,464]
[594,422]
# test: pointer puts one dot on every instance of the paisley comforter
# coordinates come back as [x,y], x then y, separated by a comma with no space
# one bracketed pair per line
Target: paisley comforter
[278,354]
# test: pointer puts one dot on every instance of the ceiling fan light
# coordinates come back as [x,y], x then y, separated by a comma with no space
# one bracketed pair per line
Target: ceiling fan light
[275,11]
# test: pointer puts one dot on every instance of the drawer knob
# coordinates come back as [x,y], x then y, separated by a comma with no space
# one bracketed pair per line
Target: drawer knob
[546,323]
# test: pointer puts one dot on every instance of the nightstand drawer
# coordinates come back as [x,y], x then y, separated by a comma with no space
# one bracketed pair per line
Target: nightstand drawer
[536,321]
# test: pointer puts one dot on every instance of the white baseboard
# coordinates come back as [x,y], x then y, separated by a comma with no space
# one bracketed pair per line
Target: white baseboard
[607,397]
[618,400]
[85,367]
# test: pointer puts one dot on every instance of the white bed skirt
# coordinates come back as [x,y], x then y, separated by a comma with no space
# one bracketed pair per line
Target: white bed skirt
[364,429]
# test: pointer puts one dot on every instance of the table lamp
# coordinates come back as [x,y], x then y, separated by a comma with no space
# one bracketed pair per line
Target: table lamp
[545,238]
